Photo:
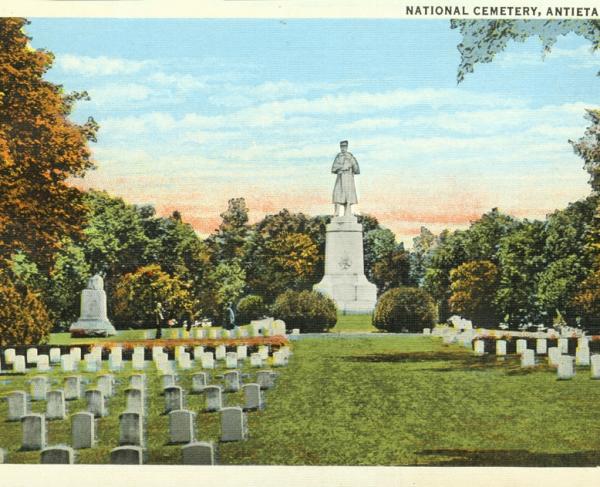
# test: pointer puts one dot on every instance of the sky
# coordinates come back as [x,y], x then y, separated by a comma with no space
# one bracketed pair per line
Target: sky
[193,112]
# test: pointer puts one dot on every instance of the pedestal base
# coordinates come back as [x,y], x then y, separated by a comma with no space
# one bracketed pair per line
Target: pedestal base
[92,328]
[352,294]
[345,281]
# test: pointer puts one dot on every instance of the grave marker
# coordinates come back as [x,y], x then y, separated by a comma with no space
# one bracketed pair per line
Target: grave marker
[55,407]
[83,433]
[252,397]
[39,388]
[173,398]
[181,426]
[199,381]
[72,387]
[198,453]
[214,401]
[19,364]
[34,432]
[565,369]
[232,381]
[57,454]
[233,424]
[95,402]
[18,405]
[266,379]
[127,455]
[131,429]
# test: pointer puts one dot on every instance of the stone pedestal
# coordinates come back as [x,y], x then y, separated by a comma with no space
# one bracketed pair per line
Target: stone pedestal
[93,320]
[344,280]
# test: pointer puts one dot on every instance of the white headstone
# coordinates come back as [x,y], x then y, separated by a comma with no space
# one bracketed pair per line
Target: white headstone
[198,453]
[256,360]
[54,355]
[595,366]
[479,347]
[181,426]
[541,346]
[131,431]
[214,401]
[9,356]
[137,361]
[252,397]
[521,346]
[72,387]
[95,402]
[220,351]
[167,380]
[19,364]
[83,430]
[76,354]
[57,455]
[233,424]
[565,370]
[553,356]
[278,359]
[39,388]
[127,455]
[34,432]
[91,362]
[198,351]
[528,358]
[232,381]
[32,354]
[582,356]
[66,363]
[426,331]
[115,362]
[207,360]
[263,351]
[231,360]
[55,405]
[242,351]
[18,405]
[134,399]
[173,398]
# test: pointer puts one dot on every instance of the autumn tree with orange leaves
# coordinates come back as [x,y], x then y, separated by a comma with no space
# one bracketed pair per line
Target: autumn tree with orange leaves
[40,149]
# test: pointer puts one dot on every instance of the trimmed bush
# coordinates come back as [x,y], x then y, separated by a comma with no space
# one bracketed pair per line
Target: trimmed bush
[309,311]
[23,316]
[250,307]
[405,309]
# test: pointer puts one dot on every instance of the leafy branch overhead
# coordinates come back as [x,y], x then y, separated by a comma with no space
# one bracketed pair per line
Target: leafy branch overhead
[483,39]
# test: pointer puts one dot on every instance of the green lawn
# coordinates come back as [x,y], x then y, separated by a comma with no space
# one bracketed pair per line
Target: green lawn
[379,401]
[353,324]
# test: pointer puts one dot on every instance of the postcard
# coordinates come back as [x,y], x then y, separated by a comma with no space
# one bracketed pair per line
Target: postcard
[319,243]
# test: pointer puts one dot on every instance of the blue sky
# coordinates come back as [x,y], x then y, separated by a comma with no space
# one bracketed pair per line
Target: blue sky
[194,112]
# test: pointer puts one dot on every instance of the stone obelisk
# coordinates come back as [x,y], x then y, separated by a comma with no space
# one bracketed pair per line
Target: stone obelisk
[93,320]
[344,280]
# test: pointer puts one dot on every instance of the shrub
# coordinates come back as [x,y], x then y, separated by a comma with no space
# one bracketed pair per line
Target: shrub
[405,309]
[309,311]
[250,307]
[23,317]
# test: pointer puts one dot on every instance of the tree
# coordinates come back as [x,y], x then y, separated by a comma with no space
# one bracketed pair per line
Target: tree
[420,255]
[483,39]
[225,284]
[137,293]
[404,309]
[474,285]
[284,251]
[587,301]
[378,244]
[521,261]
[228,242]
[67,278]
[40,149]
[23,317]
[392,270]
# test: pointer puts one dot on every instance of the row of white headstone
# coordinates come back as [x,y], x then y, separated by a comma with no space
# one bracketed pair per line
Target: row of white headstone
[181,430]
[93,360]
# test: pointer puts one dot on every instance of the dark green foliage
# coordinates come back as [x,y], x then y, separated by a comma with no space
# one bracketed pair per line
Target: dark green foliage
[405,309]
[23,315]
[250,307]
[308,310]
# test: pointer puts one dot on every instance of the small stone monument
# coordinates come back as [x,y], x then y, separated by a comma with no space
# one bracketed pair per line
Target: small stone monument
[93,320]
[344,280]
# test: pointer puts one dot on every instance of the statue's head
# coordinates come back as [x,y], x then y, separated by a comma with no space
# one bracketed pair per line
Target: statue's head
[95,282]
[344,145]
